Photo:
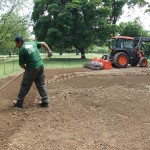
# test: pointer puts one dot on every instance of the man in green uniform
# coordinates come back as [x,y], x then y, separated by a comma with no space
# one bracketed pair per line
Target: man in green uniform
[30,60]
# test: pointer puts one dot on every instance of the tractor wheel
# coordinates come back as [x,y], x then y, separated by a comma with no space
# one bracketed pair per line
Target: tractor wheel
[143,62]
[121,60]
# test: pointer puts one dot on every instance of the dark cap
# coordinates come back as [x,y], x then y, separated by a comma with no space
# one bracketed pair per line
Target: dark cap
[19,39]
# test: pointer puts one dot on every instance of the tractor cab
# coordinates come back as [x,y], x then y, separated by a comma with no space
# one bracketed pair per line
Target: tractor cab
[121,43]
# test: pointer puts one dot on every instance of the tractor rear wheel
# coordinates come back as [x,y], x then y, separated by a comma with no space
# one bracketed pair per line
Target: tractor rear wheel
[121,60]
[143,62]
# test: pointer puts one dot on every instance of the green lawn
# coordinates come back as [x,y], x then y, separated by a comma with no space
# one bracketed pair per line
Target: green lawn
[68,60]
[11,66]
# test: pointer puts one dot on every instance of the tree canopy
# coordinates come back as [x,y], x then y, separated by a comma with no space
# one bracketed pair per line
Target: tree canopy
[132,28]
[10,27]
[64,24]
[11,22]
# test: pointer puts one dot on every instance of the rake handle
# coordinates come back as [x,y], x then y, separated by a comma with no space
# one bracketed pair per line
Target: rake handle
[11,81]
[17,77]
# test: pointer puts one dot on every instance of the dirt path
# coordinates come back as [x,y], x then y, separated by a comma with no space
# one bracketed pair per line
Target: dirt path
[89,110]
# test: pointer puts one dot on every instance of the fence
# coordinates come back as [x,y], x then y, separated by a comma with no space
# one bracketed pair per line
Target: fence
[8,65]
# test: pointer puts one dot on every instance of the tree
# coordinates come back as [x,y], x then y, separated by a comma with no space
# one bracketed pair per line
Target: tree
[71,23]
[148,8]
[141,3]
[12,23]
[132,28]
[74,23]
[116,7]
[116,10]
[10,27]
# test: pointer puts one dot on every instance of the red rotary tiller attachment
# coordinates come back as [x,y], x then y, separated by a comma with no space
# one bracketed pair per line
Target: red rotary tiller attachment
[98,64]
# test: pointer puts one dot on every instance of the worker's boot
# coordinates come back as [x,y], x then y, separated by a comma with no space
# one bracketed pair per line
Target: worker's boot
[43,104]
[17,104]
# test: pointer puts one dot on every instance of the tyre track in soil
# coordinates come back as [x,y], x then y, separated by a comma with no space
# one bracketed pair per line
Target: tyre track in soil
[64,94]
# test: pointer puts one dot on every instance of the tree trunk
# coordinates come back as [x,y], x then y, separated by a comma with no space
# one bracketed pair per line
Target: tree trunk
[82,51]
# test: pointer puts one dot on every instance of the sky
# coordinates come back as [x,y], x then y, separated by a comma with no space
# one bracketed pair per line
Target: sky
[130,15]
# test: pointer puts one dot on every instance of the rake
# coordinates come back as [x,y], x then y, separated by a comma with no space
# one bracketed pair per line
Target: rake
[16,77]
[11,81]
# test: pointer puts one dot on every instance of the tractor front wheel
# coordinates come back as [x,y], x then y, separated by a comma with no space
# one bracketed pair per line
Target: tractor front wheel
[121,60]
[143,62]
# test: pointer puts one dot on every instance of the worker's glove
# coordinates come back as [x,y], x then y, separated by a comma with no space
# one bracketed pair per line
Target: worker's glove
[49,54]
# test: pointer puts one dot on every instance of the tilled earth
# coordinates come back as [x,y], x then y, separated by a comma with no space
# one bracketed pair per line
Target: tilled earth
[89,110]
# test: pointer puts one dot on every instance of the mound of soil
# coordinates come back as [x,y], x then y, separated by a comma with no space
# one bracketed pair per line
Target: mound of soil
[89,110]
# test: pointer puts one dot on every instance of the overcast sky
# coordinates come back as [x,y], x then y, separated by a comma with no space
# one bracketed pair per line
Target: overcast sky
[130,15]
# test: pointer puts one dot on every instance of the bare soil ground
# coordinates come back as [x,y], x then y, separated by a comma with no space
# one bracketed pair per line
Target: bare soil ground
[89,110]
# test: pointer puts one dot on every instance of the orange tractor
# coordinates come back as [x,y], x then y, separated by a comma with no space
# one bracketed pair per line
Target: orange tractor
[123,50]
